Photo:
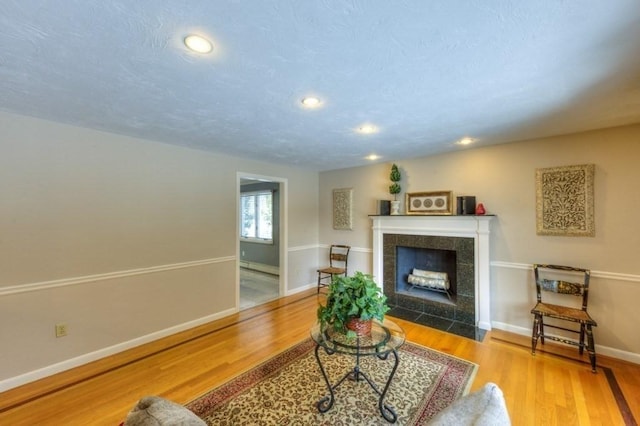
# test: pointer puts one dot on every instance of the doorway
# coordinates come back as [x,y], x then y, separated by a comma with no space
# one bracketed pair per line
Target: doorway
[261,239]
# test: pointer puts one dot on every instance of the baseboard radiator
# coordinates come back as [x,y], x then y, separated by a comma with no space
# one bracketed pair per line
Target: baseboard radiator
[260,267]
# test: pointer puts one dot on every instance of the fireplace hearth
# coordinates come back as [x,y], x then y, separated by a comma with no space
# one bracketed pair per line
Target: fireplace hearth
[454,247]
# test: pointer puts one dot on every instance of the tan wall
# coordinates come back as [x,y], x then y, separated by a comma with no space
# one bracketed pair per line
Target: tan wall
[121,239]
[125,239]
[503,178]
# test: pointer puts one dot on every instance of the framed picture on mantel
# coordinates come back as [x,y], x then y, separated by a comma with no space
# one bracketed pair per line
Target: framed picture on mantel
[430,203]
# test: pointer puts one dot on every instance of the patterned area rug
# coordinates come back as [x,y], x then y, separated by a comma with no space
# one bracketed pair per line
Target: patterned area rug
[285,389]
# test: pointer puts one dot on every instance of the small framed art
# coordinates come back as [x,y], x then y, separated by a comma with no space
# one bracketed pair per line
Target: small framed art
[438,202]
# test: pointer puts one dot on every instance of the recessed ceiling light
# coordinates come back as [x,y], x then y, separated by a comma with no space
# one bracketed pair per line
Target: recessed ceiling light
[466,141]
[367,129]
[372,157]
[311,102]
[198,44]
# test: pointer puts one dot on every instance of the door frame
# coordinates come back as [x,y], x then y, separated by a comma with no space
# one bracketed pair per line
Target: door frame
[283,251]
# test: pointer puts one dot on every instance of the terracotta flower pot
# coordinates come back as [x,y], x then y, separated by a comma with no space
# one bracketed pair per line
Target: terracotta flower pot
[361,327]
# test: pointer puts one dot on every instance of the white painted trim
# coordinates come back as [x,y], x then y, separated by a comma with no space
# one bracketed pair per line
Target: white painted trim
[511,265]
[46,285]
[303,248]
[362,250]
[603,350]
[105,352]
[615,276]
[261,267]
[301,289]
[356,249]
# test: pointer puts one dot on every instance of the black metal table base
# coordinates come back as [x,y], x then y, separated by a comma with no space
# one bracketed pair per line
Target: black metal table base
[325,404]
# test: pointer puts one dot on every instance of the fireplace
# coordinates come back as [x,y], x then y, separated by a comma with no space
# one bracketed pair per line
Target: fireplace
[455,247]
[423,272]
[453,256]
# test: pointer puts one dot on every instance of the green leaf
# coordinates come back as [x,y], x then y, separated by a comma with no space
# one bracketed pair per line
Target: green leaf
[348,297]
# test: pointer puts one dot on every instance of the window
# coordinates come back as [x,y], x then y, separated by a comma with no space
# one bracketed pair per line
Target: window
[256,216]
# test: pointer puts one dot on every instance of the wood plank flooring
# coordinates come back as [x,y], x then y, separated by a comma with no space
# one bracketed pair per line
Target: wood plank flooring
[546,389]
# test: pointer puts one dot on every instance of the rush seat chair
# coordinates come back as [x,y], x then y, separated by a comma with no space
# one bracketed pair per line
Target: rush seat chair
[338,258]
[552,290]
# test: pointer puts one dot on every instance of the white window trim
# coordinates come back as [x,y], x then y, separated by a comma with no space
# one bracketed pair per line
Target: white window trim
[268,241]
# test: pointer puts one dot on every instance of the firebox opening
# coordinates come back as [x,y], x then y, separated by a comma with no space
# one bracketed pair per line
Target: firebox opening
[439,263]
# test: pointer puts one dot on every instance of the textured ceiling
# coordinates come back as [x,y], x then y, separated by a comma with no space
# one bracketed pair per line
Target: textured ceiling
[426,73]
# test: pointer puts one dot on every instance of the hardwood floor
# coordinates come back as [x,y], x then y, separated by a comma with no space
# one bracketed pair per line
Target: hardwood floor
[547,389]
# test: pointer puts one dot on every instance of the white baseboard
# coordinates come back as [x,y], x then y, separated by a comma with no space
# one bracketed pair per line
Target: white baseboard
[301,289]
[603,350]
[484,325]
[261,267]
[68,364]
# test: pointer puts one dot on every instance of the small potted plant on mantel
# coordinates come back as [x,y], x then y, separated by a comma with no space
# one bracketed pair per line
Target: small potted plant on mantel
[352,303]
[394,189]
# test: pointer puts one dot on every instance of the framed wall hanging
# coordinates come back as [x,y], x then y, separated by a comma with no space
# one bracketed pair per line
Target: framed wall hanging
[438,202]
[564,201]
[342,206]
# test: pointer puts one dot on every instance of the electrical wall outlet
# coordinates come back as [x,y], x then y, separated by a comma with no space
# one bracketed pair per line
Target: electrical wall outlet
[61,330]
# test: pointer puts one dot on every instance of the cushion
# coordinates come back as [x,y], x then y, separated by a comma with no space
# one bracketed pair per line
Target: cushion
[155,411]
[486,406]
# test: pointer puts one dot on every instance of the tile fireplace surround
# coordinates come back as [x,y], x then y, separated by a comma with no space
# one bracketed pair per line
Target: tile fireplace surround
[468,237]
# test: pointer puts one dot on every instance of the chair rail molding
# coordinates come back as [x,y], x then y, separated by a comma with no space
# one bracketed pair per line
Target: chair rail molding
[88,279]
[613,276]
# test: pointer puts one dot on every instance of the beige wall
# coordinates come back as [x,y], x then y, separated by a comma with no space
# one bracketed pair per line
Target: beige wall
[127,240]
[122,239]
[503,178]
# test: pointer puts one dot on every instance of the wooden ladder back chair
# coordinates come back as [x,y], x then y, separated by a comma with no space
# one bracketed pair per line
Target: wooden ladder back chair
[338,259]
[551,279]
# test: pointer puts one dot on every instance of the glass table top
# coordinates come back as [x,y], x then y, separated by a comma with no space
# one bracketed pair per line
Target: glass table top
[385,336]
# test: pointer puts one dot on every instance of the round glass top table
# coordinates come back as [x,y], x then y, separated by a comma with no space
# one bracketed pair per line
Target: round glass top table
[384,339]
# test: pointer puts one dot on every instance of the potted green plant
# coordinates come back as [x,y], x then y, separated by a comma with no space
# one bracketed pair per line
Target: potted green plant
[395,188]
[352,303]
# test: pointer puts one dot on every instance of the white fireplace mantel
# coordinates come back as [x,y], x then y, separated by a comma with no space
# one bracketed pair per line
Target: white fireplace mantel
[476,227]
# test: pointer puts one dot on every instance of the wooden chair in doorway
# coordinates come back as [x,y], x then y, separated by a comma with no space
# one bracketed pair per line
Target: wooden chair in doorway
[338,259]
[551,283]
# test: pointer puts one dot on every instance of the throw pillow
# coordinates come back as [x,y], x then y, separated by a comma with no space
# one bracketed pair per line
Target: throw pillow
[486,406]
[156,411]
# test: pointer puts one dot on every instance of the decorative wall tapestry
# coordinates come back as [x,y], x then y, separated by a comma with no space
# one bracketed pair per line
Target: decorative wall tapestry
[564,201]
[342,199]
